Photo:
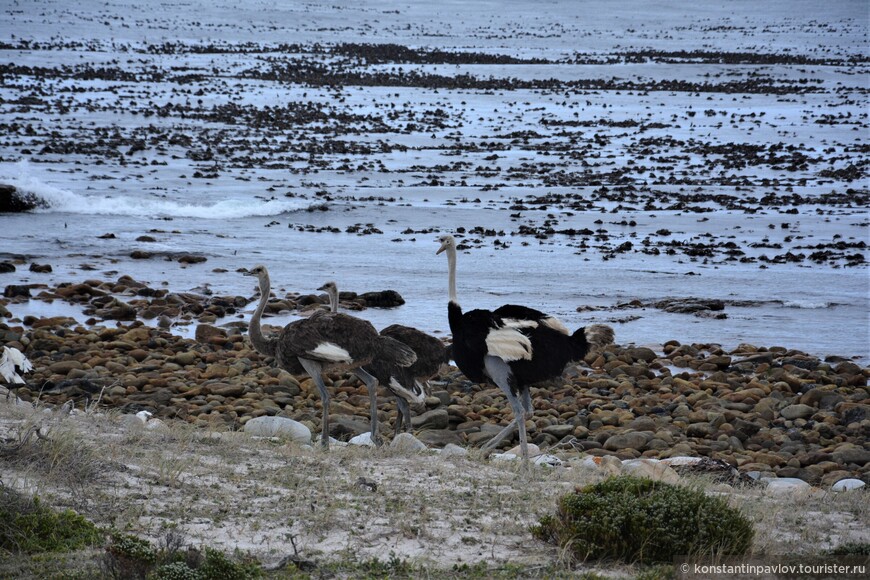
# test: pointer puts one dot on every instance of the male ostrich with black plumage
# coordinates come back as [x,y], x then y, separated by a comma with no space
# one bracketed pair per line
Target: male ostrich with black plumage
[326,341]
[513,347]
[407,384]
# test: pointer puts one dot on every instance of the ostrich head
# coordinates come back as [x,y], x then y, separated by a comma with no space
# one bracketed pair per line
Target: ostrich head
[329,288]
[447,242]
[332,291]
[262,275]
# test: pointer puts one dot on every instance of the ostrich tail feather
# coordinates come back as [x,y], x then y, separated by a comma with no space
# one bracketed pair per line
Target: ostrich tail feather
[397,352]
[598,335]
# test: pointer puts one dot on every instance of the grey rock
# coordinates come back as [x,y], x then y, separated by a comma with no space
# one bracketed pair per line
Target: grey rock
[702,430]
[642,424]
[632,440]
[434,419]
[559,431]
[453,450]
[407,443]
[797,411]
[439,437]
[278,427]
[848,485]
[347,426]
[848,453]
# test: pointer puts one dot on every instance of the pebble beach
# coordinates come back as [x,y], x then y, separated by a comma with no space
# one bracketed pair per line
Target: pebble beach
[770,411]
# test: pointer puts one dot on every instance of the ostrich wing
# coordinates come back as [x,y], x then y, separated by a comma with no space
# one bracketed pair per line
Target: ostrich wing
[11,358]
[429,350]
[509,343]
[330,338]
[516,315]
[484,333]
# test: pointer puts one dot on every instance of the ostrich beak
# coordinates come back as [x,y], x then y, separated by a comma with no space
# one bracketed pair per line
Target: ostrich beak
[322,288]
[248,273]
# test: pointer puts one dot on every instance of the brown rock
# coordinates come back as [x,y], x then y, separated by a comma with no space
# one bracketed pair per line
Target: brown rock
[53,321]
[439,437]
[64,367]
[434,419]
[850,453]
[769,459]
[559,431]
[227,390]
[218,371]
[701,430]
[206,332]
[632,440]
[186,358]
[642,424]
[797,411]
[345,426]
[138,354]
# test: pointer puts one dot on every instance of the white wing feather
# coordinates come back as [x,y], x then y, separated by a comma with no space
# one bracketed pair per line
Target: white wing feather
[509,344]
[555,324]
[329,351]
[12,357]
[401,391]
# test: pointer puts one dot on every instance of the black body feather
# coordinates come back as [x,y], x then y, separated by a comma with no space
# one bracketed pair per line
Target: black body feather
[551,352]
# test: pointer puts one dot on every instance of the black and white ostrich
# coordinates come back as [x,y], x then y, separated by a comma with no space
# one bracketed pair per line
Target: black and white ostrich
[407,384]
[326,341]
[513,347]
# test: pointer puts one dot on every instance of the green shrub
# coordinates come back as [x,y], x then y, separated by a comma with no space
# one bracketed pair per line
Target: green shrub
[217,566]
[129,557]
[640,520]
[851,549]
[29,527]
[176,571]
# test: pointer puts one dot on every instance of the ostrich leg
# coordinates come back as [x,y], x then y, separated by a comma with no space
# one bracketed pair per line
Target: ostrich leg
[372,387]
[499,371]
[403,416]
[315,369]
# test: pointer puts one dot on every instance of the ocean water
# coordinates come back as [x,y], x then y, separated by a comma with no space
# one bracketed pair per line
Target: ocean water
[680,174]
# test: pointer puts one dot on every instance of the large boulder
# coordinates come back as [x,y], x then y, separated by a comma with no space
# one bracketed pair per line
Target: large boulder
[383,299]
[13,200]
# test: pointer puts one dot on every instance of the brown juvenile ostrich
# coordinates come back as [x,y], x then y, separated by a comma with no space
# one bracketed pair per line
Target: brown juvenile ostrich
[326,341]
[407,384]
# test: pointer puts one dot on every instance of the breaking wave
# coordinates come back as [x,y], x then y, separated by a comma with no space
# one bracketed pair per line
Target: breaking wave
[51,199]
[807,304]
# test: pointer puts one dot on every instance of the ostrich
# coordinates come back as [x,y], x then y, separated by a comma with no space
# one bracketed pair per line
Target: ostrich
[12,362]
[326,341]
[405,383]
[513,347]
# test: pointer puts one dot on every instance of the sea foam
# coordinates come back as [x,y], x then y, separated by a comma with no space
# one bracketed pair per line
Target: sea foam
[52,199]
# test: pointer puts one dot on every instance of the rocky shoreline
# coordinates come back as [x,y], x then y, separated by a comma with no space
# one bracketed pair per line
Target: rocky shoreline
[764,411]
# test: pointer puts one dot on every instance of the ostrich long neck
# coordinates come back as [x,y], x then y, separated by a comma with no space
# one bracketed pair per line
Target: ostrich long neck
[451,268]
[333,299]
[261,344]
[454,311]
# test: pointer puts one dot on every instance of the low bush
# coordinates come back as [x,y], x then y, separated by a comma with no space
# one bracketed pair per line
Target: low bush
[129,557]
[27,526]
[638,520]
